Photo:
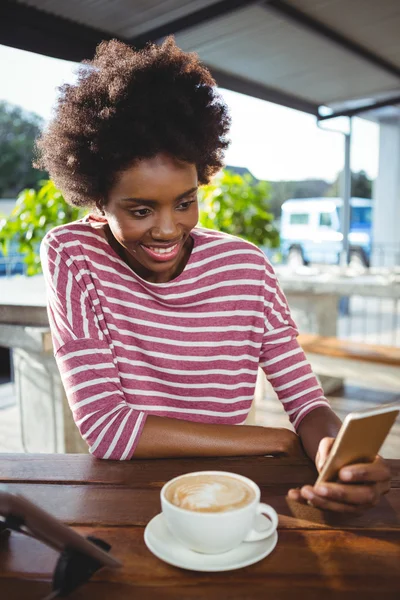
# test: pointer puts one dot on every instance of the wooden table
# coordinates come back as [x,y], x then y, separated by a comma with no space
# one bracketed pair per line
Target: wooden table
[318,556]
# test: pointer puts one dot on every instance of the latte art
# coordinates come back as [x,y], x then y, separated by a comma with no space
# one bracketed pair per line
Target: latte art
[209,493]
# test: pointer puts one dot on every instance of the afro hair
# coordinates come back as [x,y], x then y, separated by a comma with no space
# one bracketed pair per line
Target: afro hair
[127,106]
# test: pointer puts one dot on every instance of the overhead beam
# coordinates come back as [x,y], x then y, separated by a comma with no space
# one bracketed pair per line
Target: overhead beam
[301,18]
[194,19]
[261,91]
[34,30]
[352,112]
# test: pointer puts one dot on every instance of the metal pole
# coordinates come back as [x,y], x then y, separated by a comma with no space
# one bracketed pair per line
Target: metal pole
[346,195]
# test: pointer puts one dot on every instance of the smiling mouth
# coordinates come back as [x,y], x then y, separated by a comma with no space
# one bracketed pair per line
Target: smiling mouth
[162,254]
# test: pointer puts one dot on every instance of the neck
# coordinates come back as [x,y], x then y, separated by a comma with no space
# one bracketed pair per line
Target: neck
[140,270]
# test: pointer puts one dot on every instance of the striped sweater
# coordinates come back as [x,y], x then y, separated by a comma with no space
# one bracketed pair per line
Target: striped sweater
[186,349]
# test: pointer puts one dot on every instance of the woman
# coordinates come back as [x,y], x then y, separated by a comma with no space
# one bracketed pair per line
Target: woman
[158,326]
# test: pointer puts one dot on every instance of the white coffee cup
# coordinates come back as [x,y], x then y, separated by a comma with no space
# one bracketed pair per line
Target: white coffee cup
[217,532]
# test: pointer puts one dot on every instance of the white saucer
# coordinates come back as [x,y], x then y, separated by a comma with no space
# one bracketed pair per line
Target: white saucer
[163,544]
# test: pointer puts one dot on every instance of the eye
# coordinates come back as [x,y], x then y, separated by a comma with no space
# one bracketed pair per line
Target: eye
[186,204]
[141,212]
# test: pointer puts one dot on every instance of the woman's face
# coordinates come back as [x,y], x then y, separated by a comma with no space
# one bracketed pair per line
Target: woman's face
[151,211]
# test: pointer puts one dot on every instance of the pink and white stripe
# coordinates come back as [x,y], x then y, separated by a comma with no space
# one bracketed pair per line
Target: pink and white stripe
[187,349]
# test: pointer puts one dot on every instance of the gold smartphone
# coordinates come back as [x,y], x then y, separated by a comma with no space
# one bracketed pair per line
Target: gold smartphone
[36,522]
[359,439]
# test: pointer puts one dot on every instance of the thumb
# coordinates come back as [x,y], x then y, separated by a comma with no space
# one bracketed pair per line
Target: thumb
[324,449]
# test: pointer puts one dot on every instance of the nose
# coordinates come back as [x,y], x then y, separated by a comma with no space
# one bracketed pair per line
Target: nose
[166,228]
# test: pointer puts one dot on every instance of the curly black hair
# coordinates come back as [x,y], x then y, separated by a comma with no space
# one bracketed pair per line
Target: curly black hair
[130,105]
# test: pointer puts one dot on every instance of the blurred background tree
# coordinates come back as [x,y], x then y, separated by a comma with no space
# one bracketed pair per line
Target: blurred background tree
[239,205]
[361,185]
[283,190]
[18,131]
[36,212]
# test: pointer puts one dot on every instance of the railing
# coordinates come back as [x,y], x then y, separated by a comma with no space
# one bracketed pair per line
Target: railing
[379,255]
[361,304]
[370,319]
[385,255]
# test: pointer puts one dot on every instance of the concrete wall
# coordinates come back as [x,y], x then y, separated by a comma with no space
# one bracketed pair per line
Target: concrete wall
[386,229]
[47,424]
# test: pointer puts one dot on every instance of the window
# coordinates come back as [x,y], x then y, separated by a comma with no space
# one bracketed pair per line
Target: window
[299,219]
[325,219]
[359,215]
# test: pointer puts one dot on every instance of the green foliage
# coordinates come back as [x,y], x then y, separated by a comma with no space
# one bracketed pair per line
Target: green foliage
[35,213]
[18,131]
[361,185]
[239,206]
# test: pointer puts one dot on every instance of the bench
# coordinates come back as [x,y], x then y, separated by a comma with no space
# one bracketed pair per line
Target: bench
[370,365]
[334,360]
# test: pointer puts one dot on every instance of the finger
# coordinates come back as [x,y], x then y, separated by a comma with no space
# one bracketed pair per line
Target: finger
[324,449]
[366,472]
[295,494]
[338,507]
[360,495]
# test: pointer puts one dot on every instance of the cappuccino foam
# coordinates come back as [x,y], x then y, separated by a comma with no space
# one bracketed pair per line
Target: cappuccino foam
[209,493]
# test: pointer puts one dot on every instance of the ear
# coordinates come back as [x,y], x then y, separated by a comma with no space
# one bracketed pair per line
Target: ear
[98,217]
[100,207]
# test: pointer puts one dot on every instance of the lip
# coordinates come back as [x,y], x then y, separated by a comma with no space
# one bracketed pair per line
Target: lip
[171,251]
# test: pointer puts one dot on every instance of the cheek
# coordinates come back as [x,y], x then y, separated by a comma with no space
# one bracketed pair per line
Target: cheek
[124,229]
[192,217]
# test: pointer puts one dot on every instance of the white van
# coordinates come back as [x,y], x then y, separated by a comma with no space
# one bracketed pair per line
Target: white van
[310,230]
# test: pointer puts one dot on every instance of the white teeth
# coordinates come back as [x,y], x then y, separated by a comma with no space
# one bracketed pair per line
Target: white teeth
[163,250]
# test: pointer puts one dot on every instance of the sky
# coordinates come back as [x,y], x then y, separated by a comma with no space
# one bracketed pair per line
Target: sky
[273,142]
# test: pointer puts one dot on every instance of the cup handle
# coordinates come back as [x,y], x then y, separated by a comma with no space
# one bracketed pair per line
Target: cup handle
[263,509]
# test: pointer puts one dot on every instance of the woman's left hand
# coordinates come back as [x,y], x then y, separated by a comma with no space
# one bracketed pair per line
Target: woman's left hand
[358,488]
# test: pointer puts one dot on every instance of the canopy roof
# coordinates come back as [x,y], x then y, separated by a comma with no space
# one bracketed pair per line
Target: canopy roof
[304,54]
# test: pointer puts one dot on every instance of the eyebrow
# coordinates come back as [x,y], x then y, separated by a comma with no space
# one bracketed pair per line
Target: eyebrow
[147,202]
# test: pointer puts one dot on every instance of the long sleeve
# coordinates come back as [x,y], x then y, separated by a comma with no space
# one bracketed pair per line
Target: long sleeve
[283,360]
[86,361]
